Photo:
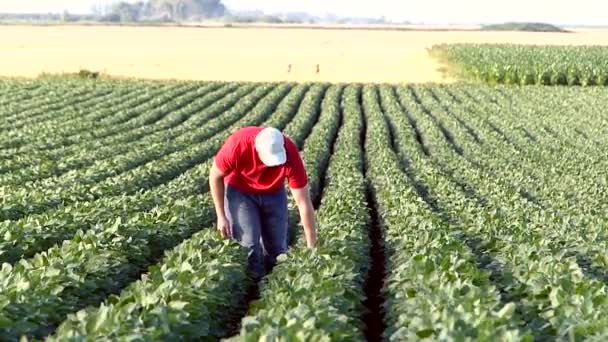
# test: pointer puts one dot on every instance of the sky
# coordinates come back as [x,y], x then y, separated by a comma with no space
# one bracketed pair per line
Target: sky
[579,12]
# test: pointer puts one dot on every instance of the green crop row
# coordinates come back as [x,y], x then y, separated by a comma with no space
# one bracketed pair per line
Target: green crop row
[43,114]
[317,295]
[491,203]
[190,294]
[139,169]
[523,64]
[497,193]
[35,233]
[25,139]
[128,247]
[37,164]
[434,288]
[131,111]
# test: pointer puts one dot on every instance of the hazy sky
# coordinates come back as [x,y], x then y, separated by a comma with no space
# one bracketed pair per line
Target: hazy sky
[592,12]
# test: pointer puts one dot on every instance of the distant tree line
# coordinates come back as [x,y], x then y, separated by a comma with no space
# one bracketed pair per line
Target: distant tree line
[152,11]
[523,26]
[161,10]
[46,17]
[298,18]
[196,10]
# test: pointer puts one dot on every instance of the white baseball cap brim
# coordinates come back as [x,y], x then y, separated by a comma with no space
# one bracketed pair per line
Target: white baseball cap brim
[273,159]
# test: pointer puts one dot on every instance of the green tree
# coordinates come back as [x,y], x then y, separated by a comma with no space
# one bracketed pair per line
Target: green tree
[186,9]
[126,12]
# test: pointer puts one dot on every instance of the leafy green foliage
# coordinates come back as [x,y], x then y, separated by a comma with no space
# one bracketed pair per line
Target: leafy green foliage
[491,203]
[193,294]
[434,289]
[317,295]
[521,64]
[521,222]
[177,319]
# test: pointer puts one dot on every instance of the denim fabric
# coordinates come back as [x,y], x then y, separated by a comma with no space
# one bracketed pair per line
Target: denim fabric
[258,223]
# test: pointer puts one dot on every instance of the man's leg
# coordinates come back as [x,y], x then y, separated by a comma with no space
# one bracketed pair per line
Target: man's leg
[243,214]
[274,226]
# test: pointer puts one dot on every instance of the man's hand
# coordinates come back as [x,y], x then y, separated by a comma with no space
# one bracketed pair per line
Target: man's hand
[307,215]
[224,227]
[216,185]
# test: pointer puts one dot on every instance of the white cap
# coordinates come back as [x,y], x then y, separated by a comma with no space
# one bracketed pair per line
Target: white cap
[270,145]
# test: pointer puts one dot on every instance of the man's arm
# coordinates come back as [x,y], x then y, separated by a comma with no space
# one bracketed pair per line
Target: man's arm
[307,215]
[216,185]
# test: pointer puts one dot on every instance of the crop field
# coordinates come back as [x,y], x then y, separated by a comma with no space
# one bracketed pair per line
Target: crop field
[452,212]
[524,64]
[249,54]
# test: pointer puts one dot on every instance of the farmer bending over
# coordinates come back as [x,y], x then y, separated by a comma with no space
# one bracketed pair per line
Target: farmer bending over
[247,183]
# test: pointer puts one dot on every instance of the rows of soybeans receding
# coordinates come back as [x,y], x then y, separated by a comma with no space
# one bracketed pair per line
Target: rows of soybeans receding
[445,212]
[525,64]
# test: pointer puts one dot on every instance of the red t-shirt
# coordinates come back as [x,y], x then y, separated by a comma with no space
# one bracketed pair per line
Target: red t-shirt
[244,170]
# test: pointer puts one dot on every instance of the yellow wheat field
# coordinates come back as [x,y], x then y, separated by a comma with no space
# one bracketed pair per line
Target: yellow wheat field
[245,54]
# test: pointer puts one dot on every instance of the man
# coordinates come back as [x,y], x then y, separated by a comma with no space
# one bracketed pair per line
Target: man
[247,182]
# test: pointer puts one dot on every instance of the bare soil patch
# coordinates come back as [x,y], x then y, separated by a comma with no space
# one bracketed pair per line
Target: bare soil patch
[246,54]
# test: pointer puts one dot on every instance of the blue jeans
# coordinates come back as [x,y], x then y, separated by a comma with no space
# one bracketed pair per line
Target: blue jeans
[258,223]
